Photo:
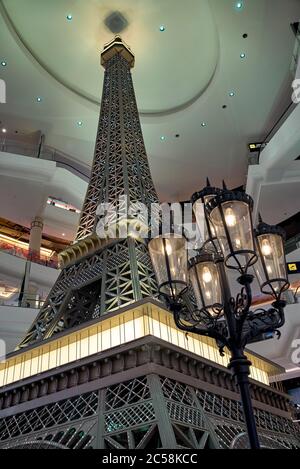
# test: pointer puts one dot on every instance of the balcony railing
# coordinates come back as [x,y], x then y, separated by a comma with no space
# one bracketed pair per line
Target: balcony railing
[24,254]
[23,300]
[46,152]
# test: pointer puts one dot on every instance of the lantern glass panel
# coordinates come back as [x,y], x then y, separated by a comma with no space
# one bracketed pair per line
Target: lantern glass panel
[205,280]
[270,270]
[169,259]
[233,226]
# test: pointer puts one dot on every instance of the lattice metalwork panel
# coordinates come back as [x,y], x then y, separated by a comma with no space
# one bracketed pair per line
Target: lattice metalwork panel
[273,422]
[129,417]
[120,164]
[185,414]
[221,406]
[126,276]
[127,393]
[141,437]
[49,416]
[188,437]
[241,441]
[228,408]
[79,436]
[177,392]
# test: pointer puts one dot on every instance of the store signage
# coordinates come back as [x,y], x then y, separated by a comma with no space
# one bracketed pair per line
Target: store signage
[293,268]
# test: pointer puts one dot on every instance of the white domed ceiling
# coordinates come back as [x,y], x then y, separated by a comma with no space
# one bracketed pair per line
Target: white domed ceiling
[183,78]
[184,60]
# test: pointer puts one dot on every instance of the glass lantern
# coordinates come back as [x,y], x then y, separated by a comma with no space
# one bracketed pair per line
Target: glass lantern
[231,216]
[205,280]
[169,258]
[271,269]
[199,202]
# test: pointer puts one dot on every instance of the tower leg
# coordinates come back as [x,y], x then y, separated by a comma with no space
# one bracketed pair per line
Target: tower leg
[164,423]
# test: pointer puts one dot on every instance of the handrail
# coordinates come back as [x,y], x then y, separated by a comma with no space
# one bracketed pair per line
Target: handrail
[22,254]
[46,152]
[275,127]
[30,300]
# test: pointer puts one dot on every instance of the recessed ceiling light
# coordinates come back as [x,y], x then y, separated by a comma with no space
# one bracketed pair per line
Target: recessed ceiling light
[239,5]
[3,63]
[63,234]
[203,124]
[231,94]
[162,137]
[69,17]
[4,131]
[242,55]
[162,28]
[39,99]
[80,123]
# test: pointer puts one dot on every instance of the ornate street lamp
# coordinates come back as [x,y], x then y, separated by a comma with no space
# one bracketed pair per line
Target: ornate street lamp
[216,313]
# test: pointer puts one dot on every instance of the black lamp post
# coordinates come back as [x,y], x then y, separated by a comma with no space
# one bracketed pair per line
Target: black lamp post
[230,243]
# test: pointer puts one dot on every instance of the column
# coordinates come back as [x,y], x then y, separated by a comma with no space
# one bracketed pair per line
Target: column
[35,237]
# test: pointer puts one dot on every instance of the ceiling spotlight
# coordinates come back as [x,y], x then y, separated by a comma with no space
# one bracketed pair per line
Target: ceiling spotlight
[3,63]
[162,137]
[39,99]
[69,17]
[231,94]
[80,123]
[242,55]
[203,124]
[239,5]
[63,234]
[4,131]
[162,28]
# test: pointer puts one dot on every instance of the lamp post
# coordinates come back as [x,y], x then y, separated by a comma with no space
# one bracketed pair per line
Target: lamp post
[230,244]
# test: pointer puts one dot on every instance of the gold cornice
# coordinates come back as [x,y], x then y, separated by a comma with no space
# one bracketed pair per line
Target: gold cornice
[117,46]
[125,326]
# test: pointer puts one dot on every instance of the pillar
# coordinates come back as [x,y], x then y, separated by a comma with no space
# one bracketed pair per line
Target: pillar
[35,237]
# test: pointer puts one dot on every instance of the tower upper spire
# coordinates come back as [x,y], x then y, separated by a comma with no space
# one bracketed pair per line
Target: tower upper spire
[120,166]
[117,46]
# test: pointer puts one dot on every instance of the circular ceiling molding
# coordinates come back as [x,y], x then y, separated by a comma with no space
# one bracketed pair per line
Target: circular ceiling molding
[173,69]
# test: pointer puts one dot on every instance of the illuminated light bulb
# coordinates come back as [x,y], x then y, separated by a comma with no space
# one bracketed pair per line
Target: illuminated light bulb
[208,294]
[206,275]
[167,246]
[269,269]
[230,217]
[238,243]
[212,229]
[266,248]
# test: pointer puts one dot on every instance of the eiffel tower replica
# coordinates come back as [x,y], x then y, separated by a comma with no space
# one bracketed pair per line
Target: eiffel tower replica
[103,365]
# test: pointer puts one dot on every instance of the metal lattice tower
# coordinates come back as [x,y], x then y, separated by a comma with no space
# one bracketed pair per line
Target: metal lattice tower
[106,384]
[120,166]
[104,275]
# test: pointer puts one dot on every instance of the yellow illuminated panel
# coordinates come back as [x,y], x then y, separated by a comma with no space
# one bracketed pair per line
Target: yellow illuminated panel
[144,320]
